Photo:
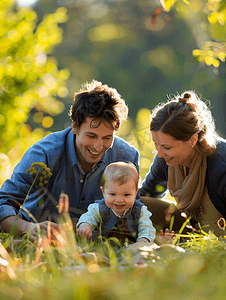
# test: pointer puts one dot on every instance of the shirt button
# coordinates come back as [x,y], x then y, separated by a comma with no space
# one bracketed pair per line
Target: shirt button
[81,180]
[120,222]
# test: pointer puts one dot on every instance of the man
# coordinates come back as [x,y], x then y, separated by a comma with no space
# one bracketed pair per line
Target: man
[76,158]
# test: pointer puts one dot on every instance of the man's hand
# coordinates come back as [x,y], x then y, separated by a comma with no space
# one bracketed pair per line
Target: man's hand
[47,228]
[20,227]
[85,230]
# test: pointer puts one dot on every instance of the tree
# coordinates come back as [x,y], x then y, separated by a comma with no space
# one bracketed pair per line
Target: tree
[207,18]
[29,76]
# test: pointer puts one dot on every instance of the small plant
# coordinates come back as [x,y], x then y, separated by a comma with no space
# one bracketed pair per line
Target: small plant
[41,173]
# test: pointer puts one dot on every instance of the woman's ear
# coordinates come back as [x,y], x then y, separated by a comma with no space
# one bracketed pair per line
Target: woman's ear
[194,140]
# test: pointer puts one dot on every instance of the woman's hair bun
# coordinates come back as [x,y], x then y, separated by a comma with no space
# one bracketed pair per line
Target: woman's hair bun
[186,95]
[185,98]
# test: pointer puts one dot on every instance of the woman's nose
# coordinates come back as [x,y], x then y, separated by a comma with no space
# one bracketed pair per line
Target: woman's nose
[160,153]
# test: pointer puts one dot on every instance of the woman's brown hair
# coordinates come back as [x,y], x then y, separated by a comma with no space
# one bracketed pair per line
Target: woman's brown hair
[184,115]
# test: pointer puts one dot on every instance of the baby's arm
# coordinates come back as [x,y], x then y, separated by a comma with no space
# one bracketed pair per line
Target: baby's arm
[85,229]
[146,231]
[143,240]
[88,221]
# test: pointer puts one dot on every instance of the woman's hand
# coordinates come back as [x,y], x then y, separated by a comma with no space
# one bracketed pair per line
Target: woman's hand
[166,237]
[85,230]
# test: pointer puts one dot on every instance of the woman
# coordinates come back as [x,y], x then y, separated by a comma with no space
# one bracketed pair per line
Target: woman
[190,163]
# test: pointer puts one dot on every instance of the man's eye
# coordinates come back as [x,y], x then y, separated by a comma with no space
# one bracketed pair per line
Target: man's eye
[127,195]
[167,148]
[107,138]
[112,194]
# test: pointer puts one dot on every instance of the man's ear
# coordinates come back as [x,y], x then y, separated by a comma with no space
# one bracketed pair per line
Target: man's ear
[74,128]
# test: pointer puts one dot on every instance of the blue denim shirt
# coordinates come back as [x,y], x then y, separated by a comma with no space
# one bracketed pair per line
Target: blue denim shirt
[215,178]
[57,151]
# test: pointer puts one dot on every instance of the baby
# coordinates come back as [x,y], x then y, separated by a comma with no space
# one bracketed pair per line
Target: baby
[119,214]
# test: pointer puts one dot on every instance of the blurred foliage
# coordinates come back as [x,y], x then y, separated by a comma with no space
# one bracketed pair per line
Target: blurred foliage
[136,46]
[139,48]
[213,51]
[29,77]
[139,135]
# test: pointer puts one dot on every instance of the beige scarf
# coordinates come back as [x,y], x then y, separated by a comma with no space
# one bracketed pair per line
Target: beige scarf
[188,190]
[191,193]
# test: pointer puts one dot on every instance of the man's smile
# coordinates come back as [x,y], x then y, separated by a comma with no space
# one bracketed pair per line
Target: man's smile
[94,152]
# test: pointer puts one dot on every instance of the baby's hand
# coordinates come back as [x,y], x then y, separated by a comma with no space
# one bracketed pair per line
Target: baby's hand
[85,230]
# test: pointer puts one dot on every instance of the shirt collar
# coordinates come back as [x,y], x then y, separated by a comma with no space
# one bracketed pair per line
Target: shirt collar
[93,168]
[70,143]
[123,215]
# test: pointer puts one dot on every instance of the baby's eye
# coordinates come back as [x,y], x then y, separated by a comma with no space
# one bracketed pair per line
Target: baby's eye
[127,195]
[112,194]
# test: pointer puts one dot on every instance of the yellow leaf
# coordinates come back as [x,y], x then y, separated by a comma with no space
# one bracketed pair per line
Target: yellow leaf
[209,60]
[196,52]
[213,18]
[216,63]
[167,4]
[222,56]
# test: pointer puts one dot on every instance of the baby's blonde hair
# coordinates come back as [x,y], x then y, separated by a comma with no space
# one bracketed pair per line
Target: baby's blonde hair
[120,172]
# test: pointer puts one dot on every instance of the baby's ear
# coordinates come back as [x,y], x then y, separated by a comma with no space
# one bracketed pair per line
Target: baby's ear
[102,189]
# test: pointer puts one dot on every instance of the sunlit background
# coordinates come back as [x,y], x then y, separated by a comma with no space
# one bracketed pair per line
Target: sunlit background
[26,3]
[49,48]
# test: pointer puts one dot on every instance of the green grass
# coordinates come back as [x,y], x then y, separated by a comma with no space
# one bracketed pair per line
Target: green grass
[193,269]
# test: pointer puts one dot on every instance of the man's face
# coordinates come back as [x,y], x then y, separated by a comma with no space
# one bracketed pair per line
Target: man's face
[91,143]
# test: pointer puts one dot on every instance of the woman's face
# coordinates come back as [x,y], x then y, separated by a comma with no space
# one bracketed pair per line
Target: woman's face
[175,152]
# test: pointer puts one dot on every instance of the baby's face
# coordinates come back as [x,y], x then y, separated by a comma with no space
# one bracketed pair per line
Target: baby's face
[120,197]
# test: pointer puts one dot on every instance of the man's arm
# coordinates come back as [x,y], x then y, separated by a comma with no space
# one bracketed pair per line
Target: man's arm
[14,190]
